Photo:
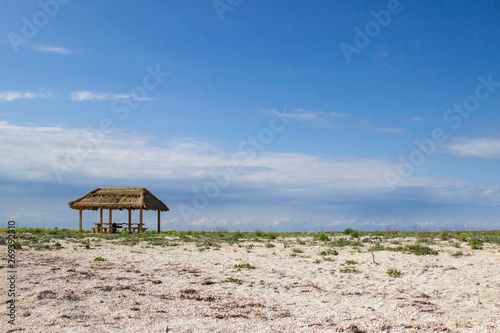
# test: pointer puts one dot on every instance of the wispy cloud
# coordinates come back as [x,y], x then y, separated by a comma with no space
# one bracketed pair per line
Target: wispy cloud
[9,96]
[95,96]
[52,49]
[268,187]
[368,125]
[34,151]
[342,115]
[312,118]
[416,119]
[488,148]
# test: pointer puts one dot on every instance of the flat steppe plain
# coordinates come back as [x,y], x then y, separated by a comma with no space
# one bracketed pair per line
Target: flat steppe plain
[291,284]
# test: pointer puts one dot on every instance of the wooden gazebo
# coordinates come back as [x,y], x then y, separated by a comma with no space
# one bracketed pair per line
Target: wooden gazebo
[112,198]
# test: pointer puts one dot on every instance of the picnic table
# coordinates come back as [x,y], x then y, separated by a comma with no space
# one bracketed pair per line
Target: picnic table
[115,226]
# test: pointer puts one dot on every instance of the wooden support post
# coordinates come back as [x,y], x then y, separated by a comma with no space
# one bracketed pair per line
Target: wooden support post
[159,223]
[129,220]
[110,229]
[80,227]
[140,220]
[100,221]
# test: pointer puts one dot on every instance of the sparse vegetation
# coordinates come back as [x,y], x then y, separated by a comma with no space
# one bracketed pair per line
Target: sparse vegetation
[329,252]
[231,280]
[350,270]
[99,259]
[246,265]
[394,273]
[476,244]
[419,250]
[49,239]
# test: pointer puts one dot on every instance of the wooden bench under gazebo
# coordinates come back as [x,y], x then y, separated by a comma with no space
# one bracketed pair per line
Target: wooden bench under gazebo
[118,198]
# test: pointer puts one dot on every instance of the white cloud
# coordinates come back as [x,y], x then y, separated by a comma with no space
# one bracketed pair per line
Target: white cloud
[8,96]
[93,96]
[487,148]
[336,114]
[367,124]
[40,153]
[271,189]
[387,130]
[416,119]
[52,49]
[209,222]
[309,117]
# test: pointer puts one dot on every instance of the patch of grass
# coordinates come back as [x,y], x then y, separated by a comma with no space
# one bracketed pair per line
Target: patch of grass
[476,244]
[231,280]
[350,262]
[329,252]
[419,250]
[394,273]
[41,247]
[450,268]
[341,242]
[296,250]
[15,246]
[328,259]
[269,245]
[350,270]
[99,259]
[246,265]
[317,261]
[322,237]
[457,254]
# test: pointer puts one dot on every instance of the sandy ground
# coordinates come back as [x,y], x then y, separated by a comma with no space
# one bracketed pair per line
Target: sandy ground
[149,289]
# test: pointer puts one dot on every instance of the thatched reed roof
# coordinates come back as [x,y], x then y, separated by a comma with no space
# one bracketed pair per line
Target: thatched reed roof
[118,198]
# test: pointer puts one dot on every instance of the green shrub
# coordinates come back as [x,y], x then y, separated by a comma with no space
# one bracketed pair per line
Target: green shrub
[322,237]
[476,244]
[419,250]
[246,265]
[328,252]
[394,273]
[341,242]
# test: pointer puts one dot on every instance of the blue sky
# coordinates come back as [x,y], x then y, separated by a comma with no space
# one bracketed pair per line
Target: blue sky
[283,115]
